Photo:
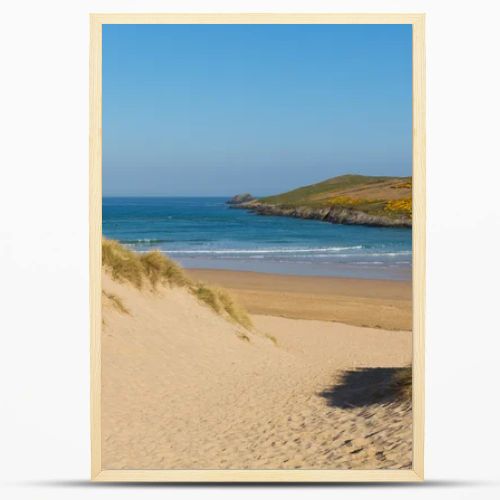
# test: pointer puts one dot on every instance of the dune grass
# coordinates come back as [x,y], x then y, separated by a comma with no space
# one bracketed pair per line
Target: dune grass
[220,301]
[137,269]
[116,301]
[154,269]
[209,296]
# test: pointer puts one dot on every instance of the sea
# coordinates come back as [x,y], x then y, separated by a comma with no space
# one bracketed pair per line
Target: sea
[202,232]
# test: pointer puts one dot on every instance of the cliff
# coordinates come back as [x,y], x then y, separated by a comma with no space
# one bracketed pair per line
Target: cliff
[348,199]
[240,198]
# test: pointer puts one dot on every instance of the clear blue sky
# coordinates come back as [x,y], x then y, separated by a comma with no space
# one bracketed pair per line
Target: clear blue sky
[214,110]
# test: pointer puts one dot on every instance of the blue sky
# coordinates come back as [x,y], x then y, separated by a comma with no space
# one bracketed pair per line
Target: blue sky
[209,110]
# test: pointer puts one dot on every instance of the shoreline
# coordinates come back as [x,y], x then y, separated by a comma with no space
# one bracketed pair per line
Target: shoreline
[314,268]
[385,304]
[332,215]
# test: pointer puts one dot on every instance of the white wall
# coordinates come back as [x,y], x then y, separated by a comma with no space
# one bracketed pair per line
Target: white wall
[44,447]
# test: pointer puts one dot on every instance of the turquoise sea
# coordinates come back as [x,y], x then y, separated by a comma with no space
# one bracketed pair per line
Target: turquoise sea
[207,233]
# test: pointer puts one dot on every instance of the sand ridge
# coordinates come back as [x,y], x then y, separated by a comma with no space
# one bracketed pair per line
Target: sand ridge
[182,387]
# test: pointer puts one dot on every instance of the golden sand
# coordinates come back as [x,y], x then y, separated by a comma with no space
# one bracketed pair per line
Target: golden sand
[183,387]
[374,303]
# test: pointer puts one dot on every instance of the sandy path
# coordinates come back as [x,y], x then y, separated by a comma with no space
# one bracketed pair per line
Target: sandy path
[181,390]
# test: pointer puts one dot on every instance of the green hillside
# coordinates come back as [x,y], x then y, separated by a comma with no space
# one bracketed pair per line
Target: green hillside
[389,196]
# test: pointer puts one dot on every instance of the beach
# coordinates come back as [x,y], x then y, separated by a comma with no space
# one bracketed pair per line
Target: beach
[313,382]
[362,302]
[257,250]
[183,387]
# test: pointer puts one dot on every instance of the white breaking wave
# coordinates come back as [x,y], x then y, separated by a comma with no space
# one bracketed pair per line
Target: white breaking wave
[390,254]
[337,252]
[264,251]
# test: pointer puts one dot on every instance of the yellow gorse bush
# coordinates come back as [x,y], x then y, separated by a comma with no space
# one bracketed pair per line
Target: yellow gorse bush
[401,206]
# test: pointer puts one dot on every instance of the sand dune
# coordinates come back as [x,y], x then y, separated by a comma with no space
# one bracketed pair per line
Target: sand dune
[184,387]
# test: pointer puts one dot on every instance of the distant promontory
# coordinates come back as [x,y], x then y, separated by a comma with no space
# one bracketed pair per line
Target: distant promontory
[347,199]
[240,198]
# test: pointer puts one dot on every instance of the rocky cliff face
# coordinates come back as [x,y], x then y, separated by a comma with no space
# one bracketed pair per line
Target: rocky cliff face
[335,215]
[240,198]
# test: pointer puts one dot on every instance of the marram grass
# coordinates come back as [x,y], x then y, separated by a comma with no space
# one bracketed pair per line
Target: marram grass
[116,302]
[139,269]
[154,269]
[219,300]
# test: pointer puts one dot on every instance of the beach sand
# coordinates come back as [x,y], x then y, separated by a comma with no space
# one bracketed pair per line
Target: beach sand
[373,303]
[184,388]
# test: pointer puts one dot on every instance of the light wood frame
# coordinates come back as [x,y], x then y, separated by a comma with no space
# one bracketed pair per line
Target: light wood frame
[417,473]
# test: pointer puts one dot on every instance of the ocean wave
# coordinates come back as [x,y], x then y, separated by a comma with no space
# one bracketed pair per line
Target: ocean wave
[390,254]
[336,252]
[264,251]
[144,240]
[368,262]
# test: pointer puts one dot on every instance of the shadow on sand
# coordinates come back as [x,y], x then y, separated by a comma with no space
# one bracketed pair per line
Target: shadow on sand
[368,386]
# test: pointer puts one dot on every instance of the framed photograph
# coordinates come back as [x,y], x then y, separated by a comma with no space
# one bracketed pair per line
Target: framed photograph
[257,247]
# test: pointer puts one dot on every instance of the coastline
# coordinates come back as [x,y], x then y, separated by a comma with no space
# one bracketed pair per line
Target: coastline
[359,302]
[205,233]
[333,214]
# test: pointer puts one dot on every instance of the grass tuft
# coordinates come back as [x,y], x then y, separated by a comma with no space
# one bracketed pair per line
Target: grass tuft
[221,302]
[234,310]
[153,267]
[208,296]
[116,301]
[159,269]
[272,338]
[123,264]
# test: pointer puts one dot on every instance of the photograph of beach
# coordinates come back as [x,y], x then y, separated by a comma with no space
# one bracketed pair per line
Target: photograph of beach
[257,247]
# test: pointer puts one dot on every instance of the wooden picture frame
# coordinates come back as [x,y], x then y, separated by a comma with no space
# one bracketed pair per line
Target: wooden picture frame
[298,475]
